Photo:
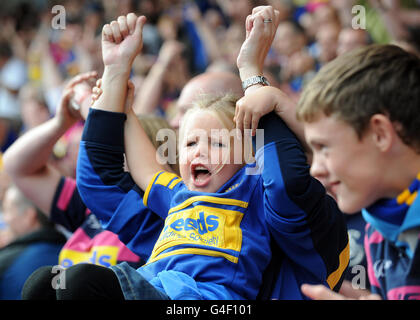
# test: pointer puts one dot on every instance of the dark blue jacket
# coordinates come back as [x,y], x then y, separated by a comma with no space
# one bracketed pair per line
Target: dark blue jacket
[20,258]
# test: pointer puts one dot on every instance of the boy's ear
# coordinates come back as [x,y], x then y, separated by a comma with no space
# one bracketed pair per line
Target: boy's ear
[383,131]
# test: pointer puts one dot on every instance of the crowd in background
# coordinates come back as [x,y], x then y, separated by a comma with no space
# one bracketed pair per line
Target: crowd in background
[181,40]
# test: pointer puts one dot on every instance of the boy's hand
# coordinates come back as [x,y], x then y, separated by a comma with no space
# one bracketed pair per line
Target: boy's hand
[122,41]
[320,292]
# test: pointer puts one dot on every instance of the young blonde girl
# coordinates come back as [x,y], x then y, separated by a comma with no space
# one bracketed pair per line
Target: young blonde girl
[215,243]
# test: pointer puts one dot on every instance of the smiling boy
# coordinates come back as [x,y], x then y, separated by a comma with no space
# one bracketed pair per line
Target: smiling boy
[361,117]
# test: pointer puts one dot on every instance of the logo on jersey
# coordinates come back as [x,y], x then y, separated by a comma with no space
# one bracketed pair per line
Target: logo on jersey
[201,225]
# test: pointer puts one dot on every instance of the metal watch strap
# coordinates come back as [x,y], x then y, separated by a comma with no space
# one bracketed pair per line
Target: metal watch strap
[253,81]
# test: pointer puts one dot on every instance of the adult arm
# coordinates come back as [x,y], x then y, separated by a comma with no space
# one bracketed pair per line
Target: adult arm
[304,222]
[26,160]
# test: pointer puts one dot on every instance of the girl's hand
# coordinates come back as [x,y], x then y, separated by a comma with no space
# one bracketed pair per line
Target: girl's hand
[250,108]
[97,92]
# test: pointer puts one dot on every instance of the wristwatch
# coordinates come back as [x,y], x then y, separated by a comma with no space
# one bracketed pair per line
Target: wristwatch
[253,81]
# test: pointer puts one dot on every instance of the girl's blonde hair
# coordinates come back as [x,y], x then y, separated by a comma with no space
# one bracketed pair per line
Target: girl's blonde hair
[221,106]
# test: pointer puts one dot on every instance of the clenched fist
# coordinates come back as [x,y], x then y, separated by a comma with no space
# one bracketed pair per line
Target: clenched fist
[122,40]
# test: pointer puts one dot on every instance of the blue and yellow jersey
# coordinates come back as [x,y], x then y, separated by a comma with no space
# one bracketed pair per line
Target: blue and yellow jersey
[261,235]
[218,238]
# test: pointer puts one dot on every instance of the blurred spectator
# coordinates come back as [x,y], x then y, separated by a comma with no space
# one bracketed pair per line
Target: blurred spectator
[290,39]
[398,19]
[290,59]
[33,107]
[34,243]
[235,12]
[300,70]
[208,30]
[350,39]
[284,7]
[316,14]
[216,82]
[13,75]
[164,81]
[93,20]
[324,14]
[344,10]
[327,40]
[401,22]
[66,50]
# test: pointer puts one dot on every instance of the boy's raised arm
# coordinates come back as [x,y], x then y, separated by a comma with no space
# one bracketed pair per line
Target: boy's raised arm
[121,42]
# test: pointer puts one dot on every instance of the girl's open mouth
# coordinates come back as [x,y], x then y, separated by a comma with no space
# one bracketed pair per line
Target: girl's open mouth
[201,175]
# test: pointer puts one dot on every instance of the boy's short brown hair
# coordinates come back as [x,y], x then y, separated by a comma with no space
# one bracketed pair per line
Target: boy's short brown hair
[376,79]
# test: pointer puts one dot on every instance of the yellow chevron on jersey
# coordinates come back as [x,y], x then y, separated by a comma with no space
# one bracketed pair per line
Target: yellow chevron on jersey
[174,183]
[343,259]
[210,199]
[161,178]
[215,228]
[195,251]
[165,178]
